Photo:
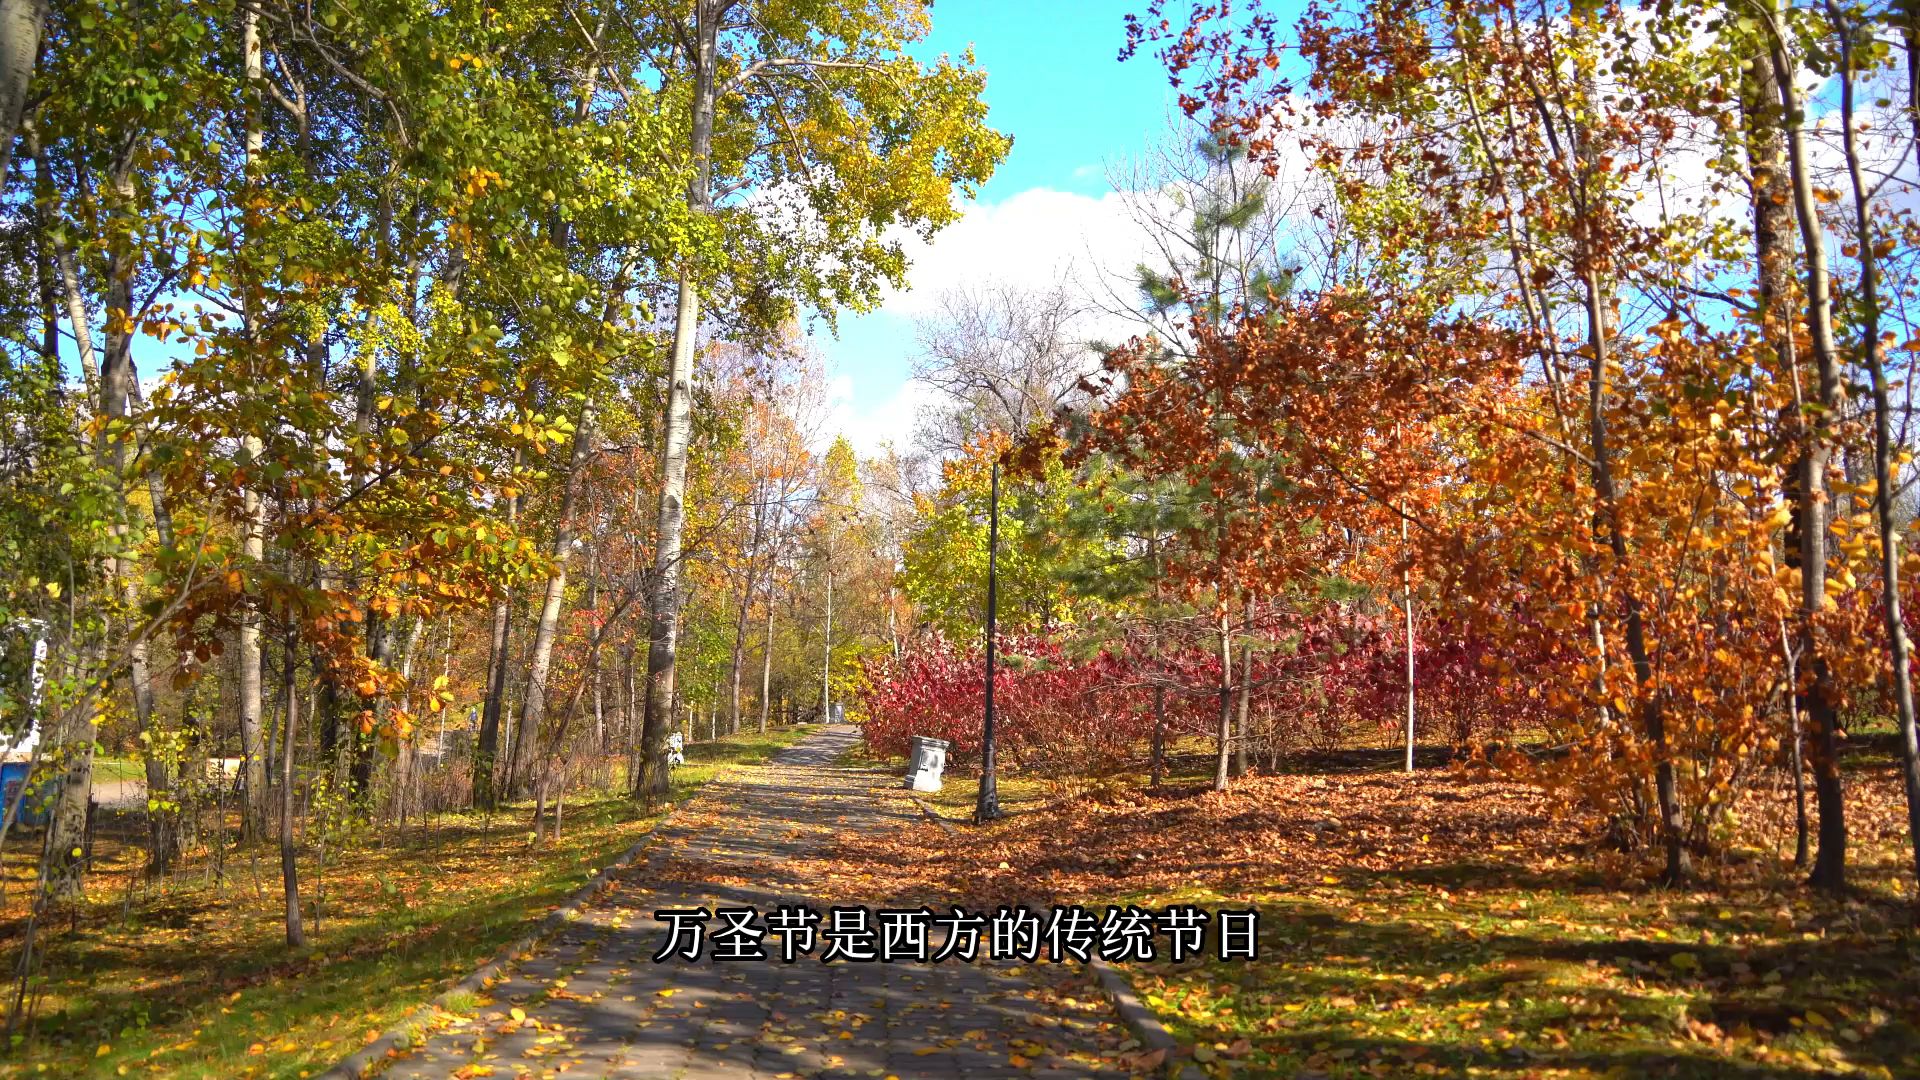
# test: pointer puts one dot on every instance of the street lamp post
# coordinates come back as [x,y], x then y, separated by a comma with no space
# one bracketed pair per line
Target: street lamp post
[826,661]
[988,805]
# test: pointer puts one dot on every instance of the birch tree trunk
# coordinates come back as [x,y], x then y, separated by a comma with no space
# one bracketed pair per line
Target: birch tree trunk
[766,658]
[1652,714]
[533,703]
[161,842]
[1157,765]
[253,764]
[1243,706]
[406,762]
[662,640]
[1223,737]
[21,24]
[488,751]
[826,653]
[1607,523]
[1830,858]
[289,738]
[1899,654]
[746,605]
[253,510]
[593,609]
[1771,200]
[1406,600]
[65,849]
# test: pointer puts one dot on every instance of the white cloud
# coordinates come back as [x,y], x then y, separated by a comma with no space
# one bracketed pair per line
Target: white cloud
[870,430]
[1033,238]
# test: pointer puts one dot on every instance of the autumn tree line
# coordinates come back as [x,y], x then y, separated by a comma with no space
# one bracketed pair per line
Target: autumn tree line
[408,401]
[1531,378]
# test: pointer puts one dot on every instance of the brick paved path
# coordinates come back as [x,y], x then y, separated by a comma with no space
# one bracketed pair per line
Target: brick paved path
[591,1002]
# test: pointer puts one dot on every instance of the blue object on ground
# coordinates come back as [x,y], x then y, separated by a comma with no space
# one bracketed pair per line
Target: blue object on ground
[33,808]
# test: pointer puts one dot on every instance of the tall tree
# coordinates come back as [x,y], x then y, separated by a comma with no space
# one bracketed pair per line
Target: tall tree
[1821,413]
[533,703]
[1856,67]
[21,24]
[1002,358]
[827,104]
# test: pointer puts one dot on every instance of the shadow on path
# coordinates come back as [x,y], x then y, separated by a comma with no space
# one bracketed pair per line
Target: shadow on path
[591,1001]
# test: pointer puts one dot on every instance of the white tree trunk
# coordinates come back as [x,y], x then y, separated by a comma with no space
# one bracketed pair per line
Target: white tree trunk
[663,641]
[533,704]
[21,22]
[253,510]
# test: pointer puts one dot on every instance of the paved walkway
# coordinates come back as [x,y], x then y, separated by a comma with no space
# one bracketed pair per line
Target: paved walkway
[592,1003]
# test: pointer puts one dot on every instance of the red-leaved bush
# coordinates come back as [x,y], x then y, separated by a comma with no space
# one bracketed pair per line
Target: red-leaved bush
[1043,700]
[1318,681]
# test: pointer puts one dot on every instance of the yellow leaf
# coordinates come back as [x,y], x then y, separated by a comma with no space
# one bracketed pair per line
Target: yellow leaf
[519,1015]
[103,1051]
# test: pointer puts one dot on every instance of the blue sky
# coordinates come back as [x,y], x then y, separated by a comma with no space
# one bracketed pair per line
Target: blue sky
[1055,84]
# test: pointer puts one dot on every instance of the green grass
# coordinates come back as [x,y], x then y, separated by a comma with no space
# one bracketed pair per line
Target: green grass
[960,785]
[745,748]
[861,758]
[1520,975]
[960,791]
[114,770]
[199,983]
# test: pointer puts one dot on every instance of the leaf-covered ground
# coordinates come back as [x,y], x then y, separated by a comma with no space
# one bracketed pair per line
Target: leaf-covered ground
[193,981]
[1448,925]
[592,1002]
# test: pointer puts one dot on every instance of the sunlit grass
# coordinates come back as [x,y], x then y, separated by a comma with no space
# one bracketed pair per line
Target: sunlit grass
[197,981]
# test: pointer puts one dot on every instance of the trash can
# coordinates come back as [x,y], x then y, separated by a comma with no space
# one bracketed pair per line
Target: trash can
[33,809]
[926,760]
